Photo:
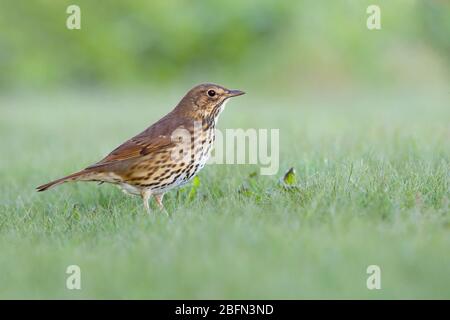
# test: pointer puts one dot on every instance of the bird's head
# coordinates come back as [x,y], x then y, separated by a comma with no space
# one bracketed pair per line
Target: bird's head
[206,100]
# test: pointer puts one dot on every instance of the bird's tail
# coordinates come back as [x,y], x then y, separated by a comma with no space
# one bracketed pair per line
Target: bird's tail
[81,175]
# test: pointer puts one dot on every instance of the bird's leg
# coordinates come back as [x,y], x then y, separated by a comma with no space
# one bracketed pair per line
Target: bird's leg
[158,198]
[145,197]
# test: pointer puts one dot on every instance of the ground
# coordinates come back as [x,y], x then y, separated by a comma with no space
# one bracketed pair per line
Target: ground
[373,189]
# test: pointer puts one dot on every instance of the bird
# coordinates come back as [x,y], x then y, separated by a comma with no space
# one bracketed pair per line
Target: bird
[166,155]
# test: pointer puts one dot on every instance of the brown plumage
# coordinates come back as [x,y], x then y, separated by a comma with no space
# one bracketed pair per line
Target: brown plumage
[165,155]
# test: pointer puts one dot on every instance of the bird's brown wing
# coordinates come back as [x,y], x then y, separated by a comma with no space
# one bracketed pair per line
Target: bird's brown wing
[134,148]
[155,139]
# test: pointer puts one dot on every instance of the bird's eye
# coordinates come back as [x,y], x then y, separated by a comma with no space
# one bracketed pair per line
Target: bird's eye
[211,93]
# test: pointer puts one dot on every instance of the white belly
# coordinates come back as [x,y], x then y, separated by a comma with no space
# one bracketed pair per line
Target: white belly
[127,188]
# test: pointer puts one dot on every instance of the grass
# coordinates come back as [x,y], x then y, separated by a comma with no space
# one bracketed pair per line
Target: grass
[373,188]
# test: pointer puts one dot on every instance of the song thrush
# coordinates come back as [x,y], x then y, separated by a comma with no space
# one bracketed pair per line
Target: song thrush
[167,154]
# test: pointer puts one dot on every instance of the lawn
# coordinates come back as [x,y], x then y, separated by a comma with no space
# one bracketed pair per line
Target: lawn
[373,188]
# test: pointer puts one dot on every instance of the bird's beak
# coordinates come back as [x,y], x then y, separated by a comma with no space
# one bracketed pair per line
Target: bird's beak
[235,93]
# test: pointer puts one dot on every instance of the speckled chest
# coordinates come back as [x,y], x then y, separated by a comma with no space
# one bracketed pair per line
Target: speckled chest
[196,157]
[164,173]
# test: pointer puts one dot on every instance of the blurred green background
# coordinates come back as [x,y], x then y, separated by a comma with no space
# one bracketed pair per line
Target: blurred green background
[363,118]
[261,42]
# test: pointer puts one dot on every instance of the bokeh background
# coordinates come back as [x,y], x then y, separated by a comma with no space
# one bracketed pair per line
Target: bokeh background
[363,118]
[263,42]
